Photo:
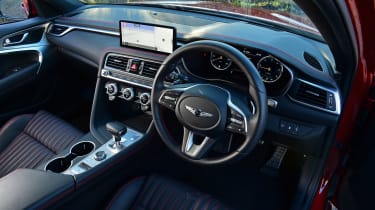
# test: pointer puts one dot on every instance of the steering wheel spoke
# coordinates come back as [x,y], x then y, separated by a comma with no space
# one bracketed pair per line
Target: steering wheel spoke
[236,120]
[193,150]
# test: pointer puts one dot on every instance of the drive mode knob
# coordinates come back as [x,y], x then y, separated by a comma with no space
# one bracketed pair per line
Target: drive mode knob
[144,98]
[127,93]
[111,89]
[100,155]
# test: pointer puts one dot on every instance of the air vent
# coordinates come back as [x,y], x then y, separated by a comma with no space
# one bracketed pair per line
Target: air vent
[117,62]
[313,95]
[312,61]
[150,69]
[58,30]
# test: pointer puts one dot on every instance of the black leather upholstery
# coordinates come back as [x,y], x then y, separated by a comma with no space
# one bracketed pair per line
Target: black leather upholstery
[27,141]
[159,193]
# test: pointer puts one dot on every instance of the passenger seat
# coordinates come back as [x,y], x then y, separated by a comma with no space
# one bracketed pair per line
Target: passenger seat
[26,141]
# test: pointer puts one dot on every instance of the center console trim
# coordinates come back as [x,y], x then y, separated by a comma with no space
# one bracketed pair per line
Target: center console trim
[131,137]
[103,74]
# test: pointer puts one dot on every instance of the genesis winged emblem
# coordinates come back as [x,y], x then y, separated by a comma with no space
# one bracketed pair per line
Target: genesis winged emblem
[198,112]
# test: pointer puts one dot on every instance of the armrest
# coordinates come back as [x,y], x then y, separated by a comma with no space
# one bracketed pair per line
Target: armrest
[27,188]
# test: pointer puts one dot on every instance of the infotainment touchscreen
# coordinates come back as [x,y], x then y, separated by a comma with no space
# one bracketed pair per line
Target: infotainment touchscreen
[146,36]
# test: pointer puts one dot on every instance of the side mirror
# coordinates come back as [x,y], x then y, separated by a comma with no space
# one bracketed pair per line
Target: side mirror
[29,8]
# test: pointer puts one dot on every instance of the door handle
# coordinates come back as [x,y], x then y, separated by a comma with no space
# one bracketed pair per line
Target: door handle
[13,40]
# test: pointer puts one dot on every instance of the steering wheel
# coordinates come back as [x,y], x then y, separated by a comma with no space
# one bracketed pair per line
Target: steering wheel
[208,111]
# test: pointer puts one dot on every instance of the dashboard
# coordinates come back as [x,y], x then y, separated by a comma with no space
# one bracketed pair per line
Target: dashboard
[298,72]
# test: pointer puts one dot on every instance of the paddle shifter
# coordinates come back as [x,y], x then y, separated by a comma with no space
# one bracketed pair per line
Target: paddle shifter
[117,129]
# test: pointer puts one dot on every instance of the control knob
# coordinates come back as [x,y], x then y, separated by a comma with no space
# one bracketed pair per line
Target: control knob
[127,93]
[145,99]
[100,155]
[111,90]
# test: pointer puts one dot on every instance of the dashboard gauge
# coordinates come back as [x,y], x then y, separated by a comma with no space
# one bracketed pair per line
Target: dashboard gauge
[270,69]
[220,62]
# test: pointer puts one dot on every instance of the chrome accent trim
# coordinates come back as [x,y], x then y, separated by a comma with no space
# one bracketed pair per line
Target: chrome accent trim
[131,137]
[189,142]
[237,109]
[252,107]
[38,49]
[7,41]
[71,28]
[290,82]
[229,101]
[125,81]
[43,40]
[335,93]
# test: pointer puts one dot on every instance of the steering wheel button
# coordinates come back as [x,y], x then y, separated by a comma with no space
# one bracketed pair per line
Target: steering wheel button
[169,98]
[235,128]
[236,115]
[236,121]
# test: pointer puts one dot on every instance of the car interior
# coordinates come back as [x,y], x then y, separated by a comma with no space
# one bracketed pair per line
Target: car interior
[231,113]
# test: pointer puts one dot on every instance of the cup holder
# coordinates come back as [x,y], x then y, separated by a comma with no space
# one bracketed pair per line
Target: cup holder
[61,164]
[82,148]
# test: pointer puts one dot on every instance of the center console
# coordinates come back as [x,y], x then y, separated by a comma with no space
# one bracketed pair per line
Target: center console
[120,115]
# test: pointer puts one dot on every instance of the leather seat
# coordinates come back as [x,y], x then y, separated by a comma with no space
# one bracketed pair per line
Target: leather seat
[27,141]
[160,193]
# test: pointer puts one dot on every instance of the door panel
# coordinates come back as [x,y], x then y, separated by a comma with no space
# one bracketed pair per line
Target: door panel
[26,68]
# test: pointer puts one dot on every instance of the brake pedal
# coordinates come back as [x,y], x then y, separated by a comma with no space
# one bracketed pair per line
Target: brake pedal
[272,166]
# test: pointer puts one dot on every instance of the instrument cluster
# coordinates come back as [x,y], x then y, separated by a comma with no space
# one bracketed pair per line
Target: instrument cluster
[276,75]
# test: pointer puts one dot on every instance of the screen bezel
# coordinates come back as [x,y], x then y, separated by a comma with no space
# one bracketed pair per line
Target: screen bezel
[174,44]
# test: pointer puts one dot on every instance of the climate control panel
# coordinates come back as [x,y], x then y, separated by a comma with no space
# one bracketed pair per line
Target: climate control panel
[120,91]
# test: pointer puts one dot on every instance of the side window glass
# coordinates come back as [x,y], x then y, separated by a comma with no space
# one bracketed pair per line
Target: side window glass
[12,11]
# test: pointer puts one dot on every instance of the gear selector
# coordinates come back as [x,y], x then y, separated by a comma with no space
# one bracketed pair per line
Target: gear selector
[117,129]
